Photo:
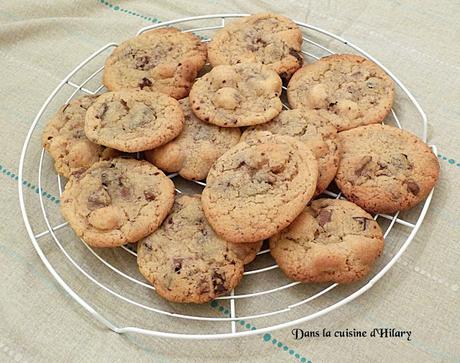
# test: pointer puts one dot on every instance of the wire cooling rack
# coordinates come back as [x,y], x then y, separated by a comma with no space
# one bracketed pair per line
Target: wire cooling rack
[107,284]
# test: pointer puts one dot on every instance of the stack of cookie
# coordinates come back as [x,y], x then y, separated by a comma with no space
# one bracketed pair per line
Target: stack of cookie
[265,167]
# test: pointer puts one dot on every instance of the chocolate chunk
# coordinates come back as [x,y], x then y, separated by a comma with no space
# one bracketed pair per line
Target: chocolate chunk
[147,244]
[364,161]
[412,187]
[98,199]
[362,221]
[218,282]
[295,54]
[177,262]
[149,195]
[324,216]
[145,83]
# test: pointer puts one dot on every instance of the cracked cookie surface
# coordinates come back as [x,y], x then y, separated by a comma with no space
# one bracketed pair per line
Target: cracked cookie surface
[239,95]
[165,60]
[269,39]
[65,140]
[117,202]
[259,187]
[133,121]
[348,89]
[314,131]
[186,261]
[384,169]
[192,153]
[330,241]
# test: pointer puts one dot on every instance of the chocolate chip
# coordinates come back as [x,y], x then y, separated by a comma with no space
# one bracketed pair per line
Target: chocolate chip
[177,262]
[364,161]
[98,199]
[149,195]
[362,221]
[218,282]
[145,83]
[412,187]
[324,216]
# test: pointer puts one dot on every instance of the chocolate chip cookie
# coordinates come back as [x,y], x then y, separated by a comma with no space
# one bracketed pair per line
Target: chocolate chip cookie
[164,60]
[315,131]
[192,153]
[330,241]
[117,202]
[259,186]
[350,90]
[239,95]
[133,121]
[65,140]
[185,260]
[269,39]
[384,169]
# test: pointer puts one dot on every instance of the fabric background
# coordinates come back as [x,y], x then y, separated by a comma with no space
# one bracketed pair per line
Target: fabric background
[40,42]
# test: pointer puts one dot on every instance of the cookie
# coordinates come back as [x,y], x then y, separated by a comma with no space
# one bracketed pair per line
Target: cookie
[133,121]
[269,39]
[117,202]
[185,260]
[348,89]
[192,153]
[238,95]
[330,241]
[316,132]
[258,187]
[65,140]
[384,169]
[164,60]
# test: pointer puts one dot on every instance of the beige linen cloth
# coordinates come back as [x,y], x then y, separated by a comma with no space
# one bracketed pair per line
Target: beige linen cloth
[40,42]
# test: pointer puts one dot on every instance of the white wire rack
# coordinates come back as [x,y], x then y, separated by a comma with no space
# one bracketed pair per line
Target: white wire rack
[292,303]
